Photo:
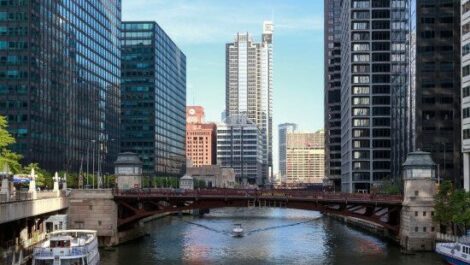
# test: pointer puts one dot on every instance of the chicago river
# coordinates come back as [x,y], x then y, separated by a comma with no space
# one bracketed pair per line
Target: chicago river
[272,236]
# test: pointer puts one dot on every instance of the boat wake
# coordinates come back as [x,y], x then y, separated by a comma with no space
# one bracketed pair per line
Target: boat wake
[210,228]
[229,233]
[277,227]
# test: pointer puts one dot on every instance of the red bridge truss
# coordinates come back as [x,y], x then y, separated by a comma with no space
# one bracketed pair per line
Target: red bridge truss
[133,205]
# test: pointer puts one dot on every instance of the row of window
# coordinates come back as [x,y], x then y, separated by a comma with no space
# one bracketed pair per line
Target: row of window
[377,100]
[375,143]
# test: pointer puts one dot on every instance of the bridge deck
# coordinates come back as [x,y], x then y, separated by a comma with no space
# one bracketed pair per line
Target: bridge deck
[292,195]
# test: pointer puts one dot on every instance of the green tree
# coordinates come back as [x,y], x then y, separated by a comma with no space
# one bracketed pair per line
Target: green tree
[443,212]
[5,137]
[389,187]
[452,208]
[6,156]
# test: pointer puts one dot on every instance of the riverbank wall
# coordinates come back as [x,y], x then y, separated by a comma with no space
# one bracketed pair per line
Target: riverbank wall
[364,225]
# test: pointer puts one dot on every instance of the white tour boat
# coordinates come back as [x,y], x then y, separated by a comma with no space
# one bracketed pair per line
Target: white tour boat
[68,247]
[237,230]
[454,253]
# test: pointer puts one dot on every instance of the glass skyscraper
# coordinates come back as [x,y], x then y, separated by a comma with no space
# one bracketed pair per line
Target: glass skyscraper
[283,130]
[249,85]
[59,80]
[332,91]
[436,83]
[153,99]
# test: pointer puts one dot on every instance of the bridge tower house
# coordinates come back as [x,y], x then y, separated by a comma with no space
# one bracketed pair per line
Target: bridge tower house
[128,171]
[417,229]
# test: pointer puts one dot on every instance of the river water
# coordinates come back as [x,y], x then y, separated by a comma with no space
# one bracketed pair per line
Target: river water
[273,236]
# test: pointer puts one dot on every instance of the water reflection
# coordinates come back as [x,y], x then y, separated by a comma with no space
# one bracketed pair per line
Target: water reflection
[274,236]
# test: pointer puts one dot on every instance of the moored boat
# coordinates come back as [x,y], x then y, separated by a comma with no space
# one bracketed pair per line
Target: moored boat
[456,253]
[68,247]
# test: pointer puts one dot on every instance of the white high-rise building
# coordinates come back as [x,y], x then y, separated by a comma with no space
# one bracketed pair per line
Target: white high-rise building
[249,86]
[465,38]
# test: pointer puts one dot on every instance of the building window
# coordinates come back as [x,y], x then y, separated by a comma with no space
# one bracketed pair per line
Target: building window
[361,79]
[466,91]
[362,90]
[466,134]
[360,25]
[416,193]
[360,4]
[361,58]
[360,122]
[361,101]
[416,229]
[424,229]
[416,213]
[466,70]
[424,213]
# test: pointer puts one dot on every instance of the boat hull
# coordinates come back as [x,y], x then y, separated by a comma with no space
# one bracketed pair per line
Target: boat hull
[453,261]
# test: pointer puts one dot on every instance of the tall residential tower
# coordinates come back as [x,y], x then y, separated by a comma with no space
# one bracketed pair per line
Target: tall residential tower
[373,84]
[249,85]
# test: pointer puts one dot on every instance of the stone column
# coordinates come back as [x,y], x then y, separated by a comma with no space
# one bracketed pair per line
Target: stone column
[56,182]
[5,190]
[64,184]
[466,171]
[32,184]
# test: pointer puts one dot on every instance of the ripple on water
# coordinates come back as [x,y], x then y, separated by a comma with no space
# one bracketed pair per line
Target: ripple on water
[274,236]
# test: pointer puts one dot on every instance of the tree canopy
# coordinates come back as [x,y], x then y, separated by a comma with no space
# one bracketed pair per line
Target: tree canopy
[452,208]
[6,156]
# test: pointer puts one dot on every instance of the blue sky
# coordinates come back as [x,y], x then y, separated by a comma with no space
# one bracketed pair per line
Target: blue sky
[202,27]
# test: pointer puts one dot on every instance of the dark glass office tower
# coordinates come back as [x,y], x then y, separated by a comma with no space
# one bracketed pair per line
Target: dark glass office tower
[332,90]
[436,98]
[59,80]
[153,99]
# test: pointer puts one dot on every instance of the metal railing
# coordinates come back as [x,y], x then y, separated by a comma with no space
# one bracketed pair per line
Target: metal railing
[262,193]
[27,196]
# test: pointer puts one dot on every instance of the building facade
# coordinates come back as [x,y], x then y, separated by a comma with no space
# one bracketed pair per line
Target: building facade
[249,84]
[201,142]
[332,91]
[214,176]
[240,146]
[305,158]
[373,84]
[59,81]
[465,38]
[435,64]
[283,130]
[153,94]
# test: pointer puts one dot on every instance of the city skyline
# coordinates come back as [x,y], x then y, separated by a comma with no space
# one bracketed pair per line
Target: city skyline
[297,27]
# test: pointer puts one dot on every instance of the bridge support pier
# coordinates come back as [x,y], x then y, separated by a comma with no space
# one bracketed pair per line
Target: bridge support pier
[417,229]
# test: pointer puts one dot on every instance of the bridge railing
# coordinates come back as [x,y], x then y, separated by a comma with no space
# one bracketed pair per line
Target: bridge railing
[285,193]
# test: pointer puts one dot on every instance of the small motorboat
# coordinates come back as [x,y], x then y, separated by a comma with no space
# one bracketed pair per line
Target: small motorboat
[237,230]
